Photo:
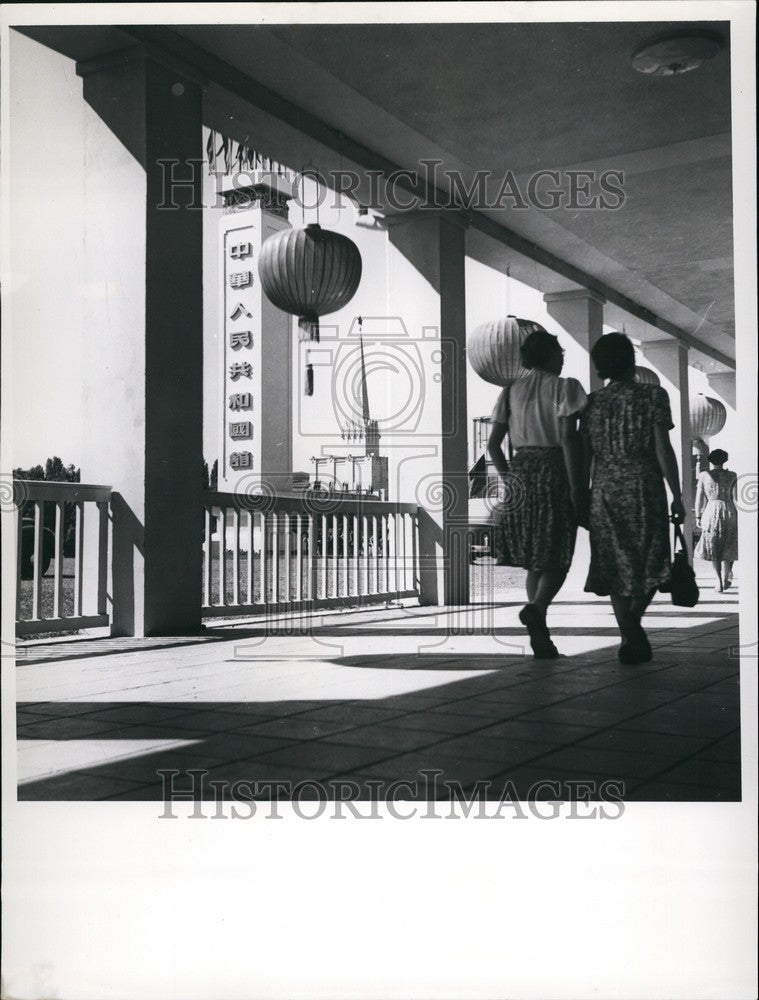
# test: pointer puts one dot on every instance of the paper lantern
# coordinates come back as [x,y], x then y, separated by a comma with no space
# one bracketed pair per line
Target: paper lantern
[309,272]
[493,349]
[707,416]
[646,376]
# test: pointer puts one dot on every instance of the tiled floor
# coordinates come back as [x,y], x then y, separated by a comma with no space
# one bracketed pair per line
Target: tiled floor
[386,695]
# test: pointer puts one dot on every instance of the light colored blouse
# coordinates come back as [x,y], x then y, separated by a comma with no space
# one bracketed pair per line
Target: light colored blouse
[715,485]
[535,404]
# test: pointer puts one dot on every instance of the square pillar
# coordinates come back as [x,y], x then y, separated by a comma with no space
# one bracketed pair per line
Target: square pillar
[256,344]
[426,290]
[580,313]
[669,358]
[143,333]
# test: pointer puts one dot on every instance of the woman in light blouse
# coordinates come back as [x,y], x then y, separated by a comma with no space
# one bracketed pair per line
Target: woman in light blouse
[536,524]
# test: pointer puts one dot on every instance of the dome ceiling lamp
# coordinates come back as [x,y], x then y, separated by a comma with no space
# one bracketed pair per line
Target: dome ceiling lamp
[674,55]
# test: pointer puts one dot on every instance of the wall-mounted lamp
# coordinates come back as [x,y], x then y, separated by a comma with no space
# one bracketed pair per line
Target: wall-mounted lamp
[370,220]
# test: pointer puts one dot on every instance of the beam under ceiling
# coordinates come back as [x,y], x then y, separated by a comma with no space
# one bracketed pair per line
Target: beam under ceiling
[163,40]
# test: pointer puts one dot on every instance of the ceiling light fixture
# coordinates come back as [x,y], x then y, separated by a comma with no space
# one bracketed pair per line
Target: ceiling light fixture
[674,55]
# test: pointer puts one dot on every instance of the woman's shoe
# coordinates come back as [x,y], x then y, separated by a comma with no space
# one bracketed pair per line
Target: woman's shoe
[635,646]
[540,638]
[627,654]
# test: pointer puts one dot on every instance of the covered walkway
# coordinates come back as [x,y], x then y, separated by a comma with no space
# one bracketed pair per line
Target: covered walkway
[386,695]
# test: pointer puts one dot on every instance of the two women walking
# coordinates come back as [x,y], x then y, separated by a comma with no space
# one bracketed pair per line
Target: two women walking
[598,461]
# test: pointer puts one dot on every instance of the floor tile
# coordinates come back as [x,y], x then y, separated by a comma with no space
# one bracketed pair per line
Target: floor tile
[661,791]
[297,728]
[73,788]
[635,741]
[439,722]
[386,737]
[713,774]
[327,759]
[70,728]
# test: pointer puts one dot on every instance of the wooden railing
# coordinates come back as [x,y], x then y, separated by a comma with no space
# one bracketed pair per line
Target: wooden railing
[75,596]
[315,550]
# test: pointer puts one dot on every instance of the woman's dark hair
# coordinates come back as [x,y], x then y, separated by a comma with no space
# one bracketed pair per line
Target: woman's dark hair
[613,355]
[718,456]
[537,349]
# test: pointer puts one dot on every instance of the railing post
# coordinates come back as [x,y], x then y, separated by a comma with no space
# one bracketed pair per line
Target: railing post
[58,556]
[39,509]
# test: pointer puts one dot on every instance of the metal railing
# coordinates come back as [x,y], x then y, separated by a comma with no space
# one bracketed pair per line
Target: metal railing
[51,528]
[289,553]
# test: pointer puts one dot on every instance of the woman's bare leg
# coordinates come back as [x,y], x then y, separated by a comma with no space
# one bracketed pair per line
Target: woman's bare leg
[621,606]
[640,602]
[550,583]
[628,611]
[727,572]
[542,587]
[717,567]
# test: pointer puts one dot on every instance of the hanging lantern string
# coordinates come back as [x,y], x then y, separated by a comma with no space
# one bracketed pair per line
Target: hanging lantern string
[508,288]
[340,202]
[314,174]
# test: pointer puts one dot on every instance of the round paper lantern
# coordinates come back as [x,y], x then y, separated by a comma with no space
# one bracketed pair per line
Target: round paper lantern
[493,349]
[309,272]
[707,416]
[646,376]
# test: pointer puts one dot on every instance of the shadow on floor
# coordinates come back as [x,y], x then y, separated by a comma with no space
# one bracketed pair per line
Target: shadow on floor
[665,731]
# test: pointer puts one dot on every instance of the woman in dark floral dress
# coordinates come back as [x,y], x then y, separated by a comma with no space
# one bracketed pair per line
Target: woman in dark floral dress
[625,428]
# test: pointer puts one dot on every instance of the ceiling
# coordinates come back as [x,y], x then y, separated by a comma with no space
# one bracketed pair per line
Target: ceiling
[503,97]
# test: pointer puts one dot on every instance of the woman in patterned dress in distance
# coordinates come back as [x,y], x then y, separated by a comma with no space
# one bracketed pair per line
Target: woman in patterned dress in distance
[718,519]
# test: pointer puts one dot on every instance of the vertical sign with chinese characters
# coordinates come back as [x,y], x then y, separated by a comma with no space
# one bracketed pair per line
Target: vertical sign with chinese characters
[256,346]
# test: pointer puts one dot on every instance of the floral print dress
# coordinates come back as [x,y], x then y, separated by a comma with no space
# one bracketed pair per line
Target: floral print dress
[629,518]
[719,518]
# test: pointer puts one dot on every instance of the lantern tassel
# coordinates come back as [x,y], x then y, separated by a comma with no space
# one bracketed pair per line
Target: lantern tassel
[308,327]
[309,390]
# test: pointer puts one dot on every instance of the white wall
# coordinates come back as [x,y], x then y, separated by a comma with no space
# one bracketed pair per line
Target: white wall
[47,291]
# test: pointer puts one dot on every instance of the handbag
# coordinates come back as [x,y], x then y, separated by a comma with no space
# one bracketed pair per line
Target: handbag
[478,479]
[682,586]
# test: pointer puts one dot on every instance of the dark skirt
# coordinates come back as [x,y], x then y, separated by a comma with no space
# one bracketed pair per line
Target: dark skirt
[534,524]
[629,529]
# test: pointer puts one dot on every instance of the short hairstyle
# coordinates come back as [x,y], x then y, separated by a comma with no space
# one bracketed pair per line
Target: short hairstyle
[718,456]
[537,348]
[613,355]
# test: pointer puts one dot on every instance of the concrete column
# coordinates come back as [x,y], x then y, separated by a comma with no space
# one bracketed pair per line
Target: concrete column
[143,333]
[581,314]
[670,360]
[426,290]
